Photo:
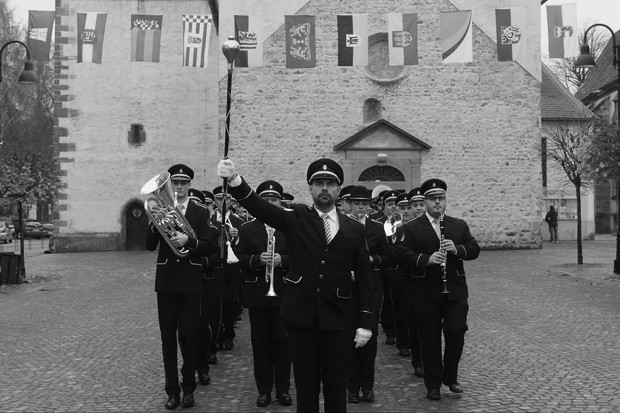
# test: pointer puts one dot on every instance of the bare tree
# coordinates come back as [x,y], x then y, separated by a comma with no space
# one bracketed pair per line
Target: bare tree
[603,152]
[566,146]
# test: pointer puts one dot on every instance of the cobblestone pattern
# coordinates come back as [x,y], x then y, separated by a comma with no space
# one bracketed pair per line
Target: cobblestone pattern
[83,336]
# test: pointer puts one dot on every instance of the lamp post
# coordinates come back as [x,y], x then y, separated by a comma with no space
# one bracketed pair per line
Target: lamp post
[586,60]
[27,77]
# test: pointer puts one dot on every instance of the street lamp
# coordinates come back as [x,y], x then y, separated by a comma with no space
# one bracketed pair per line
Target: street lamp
[27,77]
[586,60]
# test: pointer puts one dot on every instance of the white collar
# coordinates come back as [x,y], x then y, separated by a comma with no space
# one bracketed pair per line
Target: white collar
[430,218]
[333,214]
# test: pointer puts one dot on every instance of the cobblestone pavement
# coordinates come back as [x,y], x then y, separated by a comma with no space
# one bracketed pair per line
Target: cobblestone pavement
[82,335]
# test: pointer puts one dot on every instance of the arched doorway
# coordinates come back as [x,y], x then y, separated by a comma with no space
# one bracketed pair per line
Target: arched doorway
[136,224]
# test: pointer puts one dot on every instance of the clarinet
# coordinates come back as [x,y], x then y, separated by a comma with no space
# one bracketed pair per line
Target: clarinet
[444,278]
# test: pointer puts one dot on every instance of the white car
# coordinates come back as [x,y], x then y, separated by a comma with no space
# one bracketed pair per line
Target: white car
[6,235]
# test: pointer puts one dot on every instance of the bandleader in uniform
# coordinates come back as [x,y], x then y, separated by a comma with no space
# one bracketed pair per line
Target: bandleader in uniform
[178,283]
[322,301]
[422,253]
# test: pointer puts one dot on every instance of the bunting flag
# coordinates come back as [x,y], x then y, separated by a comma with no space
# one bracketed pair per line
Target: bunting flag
[352,40]
[249,34]
[403,39]
[196,36]
[300,41]
[91,29]
[40,24]
[562,31]
[145,37]
[510,29]
[456,38]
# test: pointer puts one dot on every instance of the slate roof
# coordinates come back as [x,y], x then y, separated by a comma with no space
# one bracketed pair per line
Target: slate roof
[601,77]
[557,102]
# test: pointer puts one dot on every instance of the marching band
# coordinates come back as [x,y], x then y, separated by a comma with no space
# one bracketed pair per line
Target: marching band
[317,280]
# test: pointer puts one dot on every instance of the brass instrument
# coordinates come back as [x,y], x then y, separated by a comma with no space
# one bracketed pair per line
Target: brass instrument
[443,265]
[392,223]
[231,258]
[271,250]
[160,209]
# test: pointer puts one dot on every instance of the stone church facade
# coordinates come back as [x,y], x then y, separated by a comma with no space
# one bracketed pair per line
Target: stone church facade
[476,125]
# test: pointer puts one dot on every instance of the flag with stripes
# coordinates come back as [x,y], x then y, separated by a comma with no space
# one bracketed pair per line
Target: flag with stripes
[562,31]
[40,24]
[300,41]
[249,34]
[196,36]
[403,39]
[145,37]
[352,39]
[91,29]
[456,38]
[510,29]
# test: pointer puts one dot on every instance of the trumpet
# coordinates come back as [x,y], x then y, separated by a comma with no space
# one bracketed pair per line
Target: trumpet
[444,277]
[271,250]
[160,209]
[392,223]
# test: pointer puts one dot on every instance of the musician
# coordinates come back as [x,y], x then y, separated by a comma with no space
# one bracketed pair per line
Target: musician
[270,350]
[322,301]
[287,199]
[387,273]
[362,373]
[343,196]
[377,207]
[178,283]
[230,272]
[438,305]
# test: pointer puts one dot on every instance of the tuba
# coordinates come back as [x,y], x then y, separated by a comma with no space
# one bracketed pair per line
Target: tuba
[160,209]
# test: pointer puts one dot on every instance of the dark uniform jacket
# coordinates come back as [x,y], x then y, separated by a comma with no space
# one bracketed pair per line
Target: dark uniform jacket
[423,281]
[182,275]
[253,242]
[377,247]
[319,282]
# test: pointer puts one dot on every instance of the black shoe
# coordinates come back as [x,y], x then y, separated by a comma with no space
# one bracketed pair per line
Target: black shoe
[390,340]
[353,397]
[456,388]
[368,395]
[204,379]
[188,400]
[263,400]
[228,345]
[419,372]
[173,402]
[434,394]
[404,352]
[285,399]
[212,358]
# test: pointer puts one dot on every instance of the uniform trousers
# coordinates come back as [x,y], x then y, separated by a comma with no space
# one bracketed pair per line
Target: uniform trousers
[179,314]
[435,317]
[320,356]
[401,328]
[387,310]
[230,300]
[411,320]
[270,350]
[362,370]
[210,324]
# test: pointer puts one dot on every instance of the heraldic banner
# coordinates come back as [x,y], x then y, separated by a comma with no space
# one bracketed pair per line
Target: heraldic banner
[300,41]
[456,38]
[562,31]
[91,29]
[510,28]
[196,36]
[352,39]
[40,24]
[145,37]
[403,38]
[249,34]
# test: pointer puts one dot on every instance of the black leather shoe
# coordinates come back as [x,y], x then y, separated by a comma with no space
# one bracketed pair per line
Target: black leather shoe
[404,352]
[228,345]
[285,399]
[173,402]
[188,400]
[456,388]
[368,395]
[263,400]
[390,340]
[212,358]
[204,379]
[434,394]
[419,372]
[353,397]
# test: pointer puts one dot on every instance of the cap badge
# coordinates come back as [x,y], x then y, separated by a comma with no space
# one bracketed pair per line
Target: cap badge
[434,184]
[181,170]
[325,167]
[270,186]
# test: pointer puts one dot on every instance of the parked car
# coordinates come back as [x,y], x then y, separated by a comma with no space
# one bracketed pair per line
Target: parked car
[12,229]
[34,229]
[6,235]
[48,228]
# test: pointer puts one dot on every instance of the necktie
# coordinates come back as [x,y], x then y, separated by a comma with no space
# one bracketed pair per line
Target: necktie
[328,232]
[436,228]
[182,208]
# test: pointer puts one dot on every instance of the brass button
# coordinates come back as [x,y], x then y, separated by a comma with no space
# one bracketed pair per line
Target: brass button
[322,262]
[178,260]
[321,276]
[318,290]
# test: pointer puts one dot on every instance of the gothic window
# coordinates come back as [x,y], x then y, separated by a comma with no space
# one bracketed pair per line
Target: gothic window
[379,173]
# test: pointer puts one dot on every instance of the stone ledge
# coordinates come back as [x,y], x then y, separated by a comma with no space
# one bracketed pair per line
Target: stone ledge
[83,242]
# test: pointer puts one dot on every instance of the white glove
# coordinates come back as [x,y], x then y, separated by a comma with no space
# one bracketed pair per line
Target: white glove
[362,336]
[225,169]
